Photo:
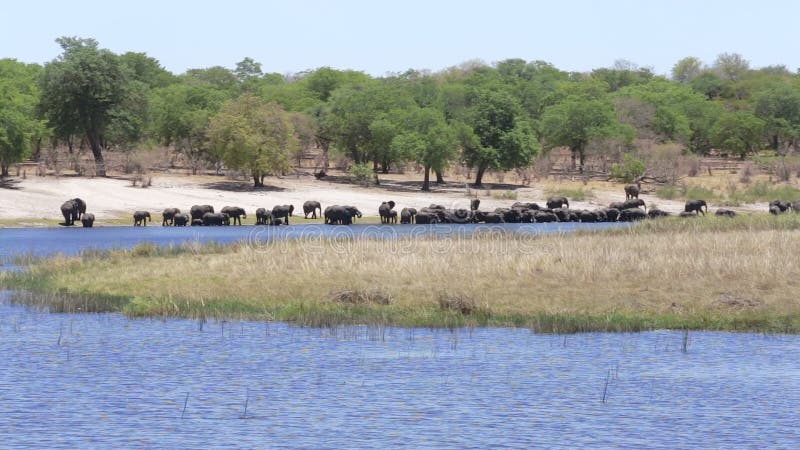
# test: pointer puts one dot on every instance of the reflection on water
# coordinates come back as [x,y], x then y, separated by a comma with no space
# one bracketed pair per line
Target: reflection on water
[104,381]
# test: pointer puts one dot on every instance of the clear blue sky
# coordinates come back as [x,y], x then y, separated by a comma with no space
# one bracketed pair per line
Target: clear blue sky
[379,36]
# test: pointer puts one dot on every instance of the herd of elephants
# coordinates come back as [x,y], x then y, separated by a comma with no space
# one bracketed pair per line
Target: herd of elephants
[557,210]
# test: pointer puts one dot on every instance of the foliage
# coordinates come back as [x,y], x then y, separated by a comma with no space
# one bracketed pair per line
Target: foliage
[253,135]
[19,126]
[739,131]
[362,173]
[84,91]
[629,169]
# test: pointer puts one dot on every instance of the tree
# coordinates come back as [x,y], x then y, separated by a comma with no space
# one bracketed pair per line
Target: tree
[779,107]
[576,122]
[147,70]
[82,90]
[254,136]
[501,137]
[687,69]
[217,76]
[19,125]
[739,131]
[731,66]
[247,68]
[181,114]
[422,135]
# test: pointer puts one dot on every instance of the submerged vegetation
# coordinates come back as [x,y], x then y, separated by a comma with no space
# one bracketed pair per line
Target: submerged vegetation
[714,273]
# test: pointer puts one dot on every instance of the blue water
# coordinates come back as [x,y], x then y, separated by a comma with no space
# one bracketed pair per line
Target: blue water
[47,241]
[104,381]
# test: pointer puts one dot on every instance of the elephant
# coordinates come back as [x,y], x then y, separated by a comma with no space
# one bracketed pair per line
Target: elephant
[458,216]
[197,222]
[632,190]
[557,202]
[696,205]
[634,203]
[437,210]
[656,213]
[236,213]
[796,206]
[198,211]
[168,216]
[612,214]
[282,211]
[427,216]
[311,207]
[775,210]
[263,216]
[181,220]
[277,222]
[545,216]
[587,216]
[631,214]
[685,214]
[73,210]
[341,215]
[563,214]
[140,218]
[521,205]
[510,215]
[617,205]
[408,215]
[601,215]
[783,206]
[87,220]
[474,204]
[216,219]
[385,212]
[488,217]
[725,212]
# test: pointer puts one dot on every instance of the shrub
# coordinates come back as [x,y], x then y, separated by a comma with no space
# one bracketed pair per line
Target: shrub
[362,174]
[628,170]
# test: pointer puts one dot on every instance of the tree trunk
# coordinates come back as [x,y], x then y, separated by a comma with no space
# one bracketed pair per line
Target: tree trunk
[439,177]
[582,157]
[258,180]
[479,175]
[4,170]
[426,183]
[97,151]
[573,158]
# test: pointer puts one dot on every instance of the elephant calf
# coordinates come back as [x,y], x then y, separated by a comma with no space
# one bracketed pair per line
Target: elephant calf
[87,220]
[282,212]
[263,216]
[408,215]
[140,218]
[181,220]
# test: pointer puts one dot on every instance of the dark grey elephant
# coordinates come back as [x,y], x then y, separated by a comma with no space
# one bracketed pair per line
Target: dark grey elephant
[87,220]
[696,205]
[311,207]
[725,212]
[545,216]
[282,212]
[385,211]
[168,216]
[198,211]
[782,206]
[181,220]
[634,203]
[523,205]
[426,216]
[216,219]
[73,210]
[474,204]
[612,214]
[775,210]
[632,190]
[263,216]
[655,213]
[408,215]
[197,222]
[236,213]
[632,214]
[140,218]
[510,215]
[341,215]
[557,202]
[587,216]
[796,206]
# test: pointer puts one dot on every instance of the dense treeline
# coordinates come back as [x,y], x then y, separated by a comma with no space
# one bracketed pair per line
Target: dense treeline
[487,117]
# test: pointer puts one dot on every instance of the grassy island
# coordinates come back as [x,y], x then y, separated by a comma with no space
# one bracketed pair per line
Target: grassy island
[739,274]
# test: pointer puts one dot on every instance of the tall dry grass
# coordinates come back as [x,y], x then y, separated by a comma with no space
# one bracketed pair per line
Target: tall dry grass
[667,276]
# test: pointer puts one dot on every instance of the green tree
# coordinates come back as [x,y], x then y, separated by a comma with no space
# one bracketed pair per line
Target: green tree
[254,136]
[181,114]
[19,126]
[576,122]
[687,69]
[739,132]
[217,76]
[731,66]
[500,136]
[147,70]
[248,68]
[422,135]
[779,107]
[82,91]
